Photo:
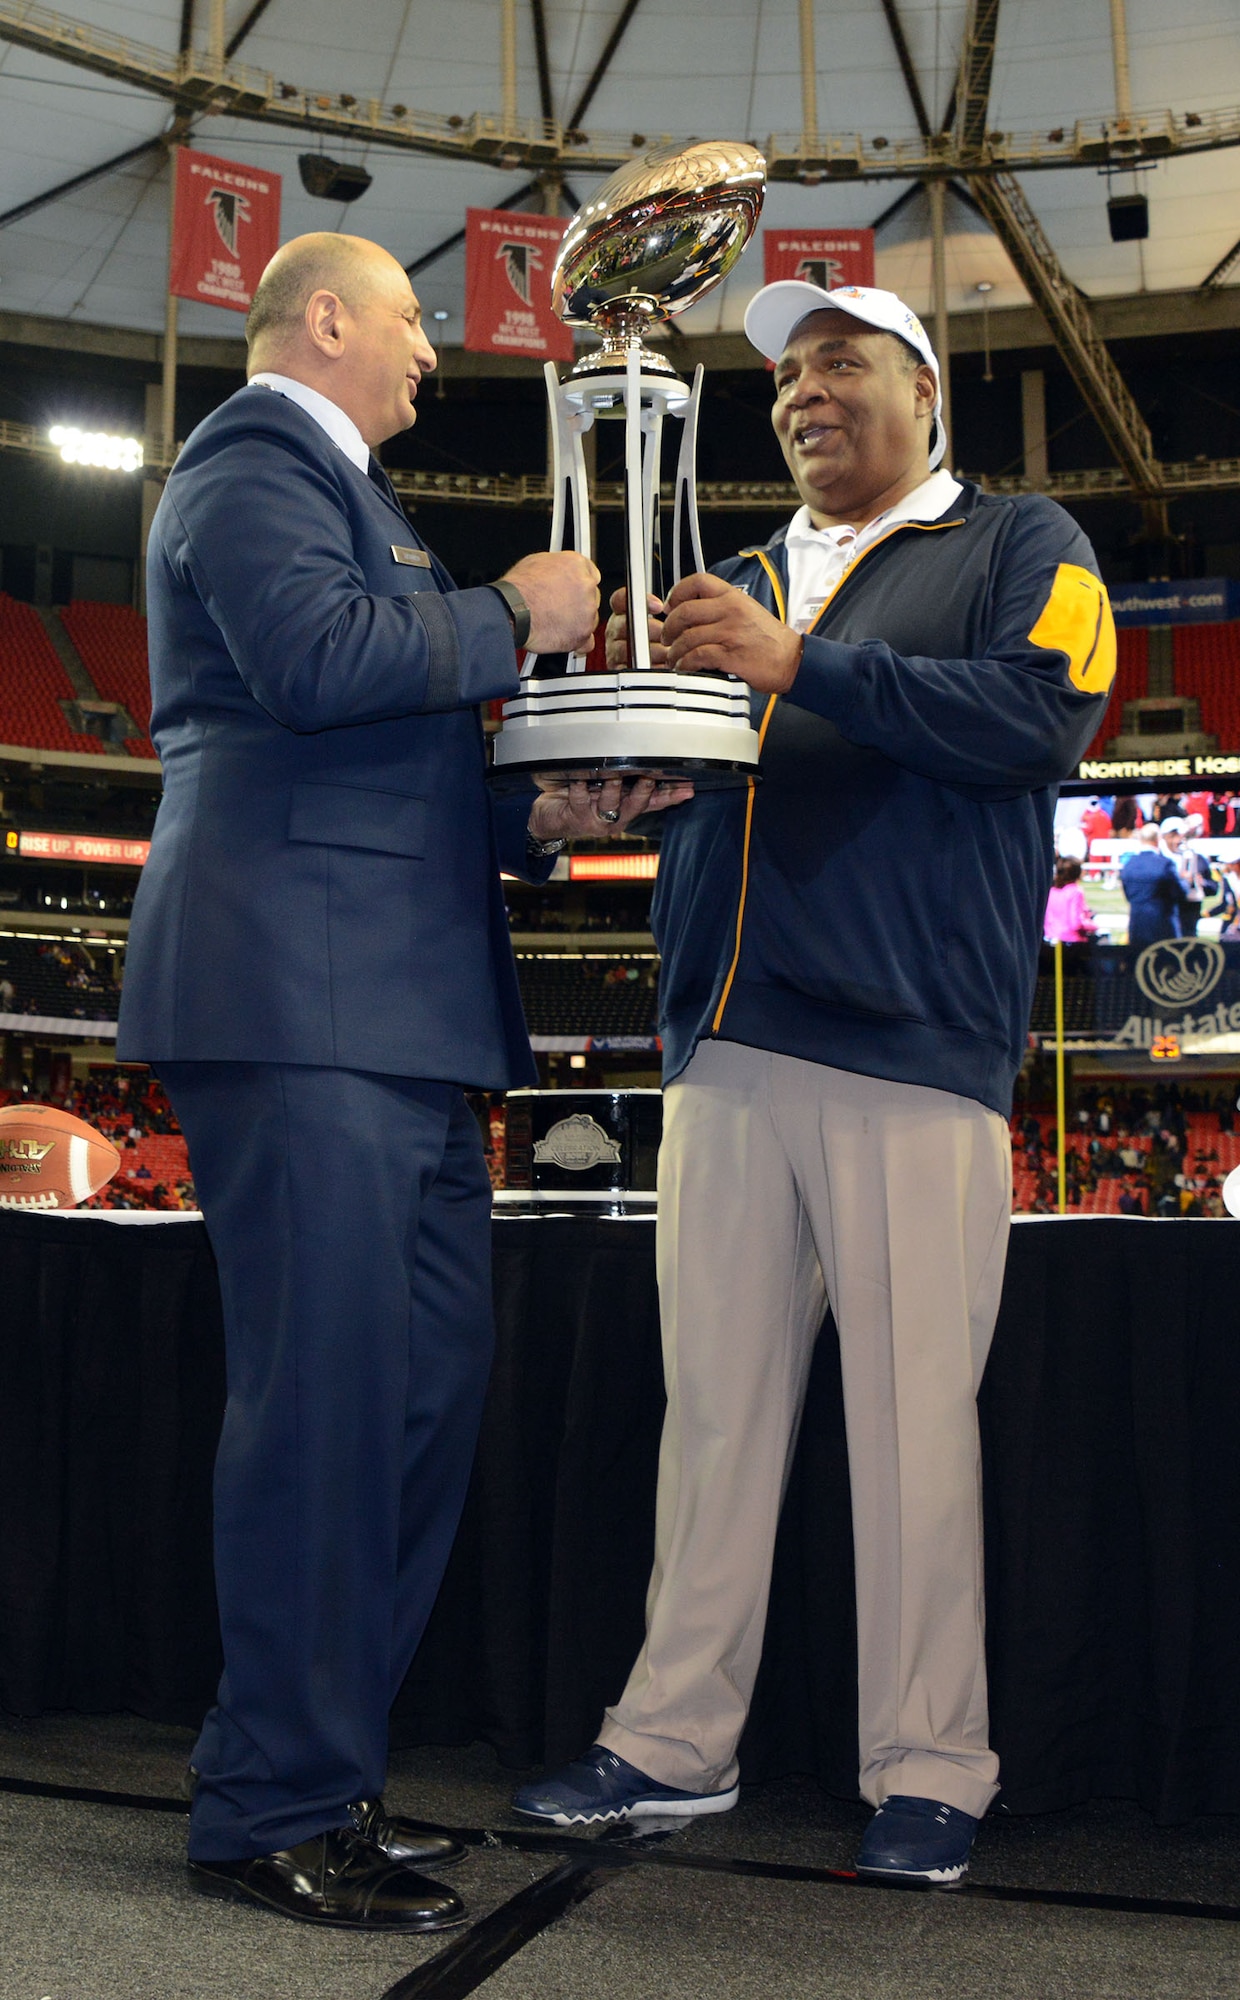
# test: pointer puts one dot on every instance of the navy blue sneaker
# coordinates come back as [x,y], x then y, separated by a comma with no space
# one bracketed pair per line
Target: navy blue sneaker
[917,1840]
[601,1786]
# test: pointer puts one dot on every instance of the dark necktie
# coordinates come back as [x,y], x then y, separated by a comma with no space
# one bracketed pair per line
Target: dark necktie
[380,479]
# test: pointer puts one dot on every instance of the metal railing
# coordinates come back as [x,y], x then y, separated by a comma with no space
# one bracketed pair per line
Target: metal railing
[533,490]
[199,80]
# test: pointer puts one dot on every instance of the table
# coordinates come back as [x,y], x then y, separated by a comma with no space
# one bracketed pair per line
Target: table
[1109,1417]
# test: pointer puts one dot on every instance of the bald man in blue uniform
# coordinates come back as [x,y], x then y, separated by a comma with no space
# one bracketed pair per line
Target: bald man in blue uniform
[318,962]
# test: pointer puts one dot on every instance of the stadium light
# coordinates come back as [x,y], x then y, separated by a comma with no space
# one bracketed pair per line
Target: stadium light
[112,454]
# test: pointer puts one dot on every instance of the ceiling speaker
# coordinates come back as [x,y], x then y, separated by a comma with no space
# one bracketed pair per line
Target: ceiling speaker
[1129,217]
[332,180]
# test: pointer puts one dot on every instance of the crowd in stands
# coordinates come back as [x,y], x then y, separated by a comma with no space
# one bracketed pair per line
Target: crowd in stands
[1119,817]
[129,1107]
[1129,1151]
[56,978]
[1161,1152]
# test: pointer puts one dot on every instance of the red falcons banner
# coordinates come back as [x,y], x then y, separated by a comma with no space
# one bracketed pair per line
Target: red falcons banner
[508,260]
[225,229]
[826,257]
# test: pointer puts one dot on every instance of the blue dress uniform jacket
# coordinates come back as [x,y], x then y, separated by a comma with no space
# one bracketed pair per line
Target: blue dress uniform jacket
[874,902]
[1155,895]
[323,884]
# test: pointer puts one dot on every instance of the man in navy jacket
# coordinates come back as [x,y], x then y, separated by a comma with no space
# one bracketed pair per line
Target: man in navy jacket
[1155,891]
[848,955]
[318,961]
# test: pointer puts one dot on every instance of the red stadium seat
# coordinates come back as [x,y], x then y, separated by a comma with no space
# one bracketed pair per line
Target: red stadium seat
[1131,682]
[1207,667]
[112,642]
[33,683]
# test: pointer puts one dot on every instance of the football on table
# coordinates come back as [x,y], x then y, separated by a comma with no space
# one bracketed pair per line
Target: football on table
[50,1159]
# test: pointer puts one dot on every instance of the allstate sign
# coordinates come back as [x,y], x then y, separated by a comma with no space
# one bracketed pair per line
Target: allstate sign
[1178,972]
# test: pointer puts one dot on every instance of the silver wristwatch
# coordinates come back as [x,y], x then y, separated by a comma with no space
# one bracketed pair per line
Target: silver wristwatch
[541,849]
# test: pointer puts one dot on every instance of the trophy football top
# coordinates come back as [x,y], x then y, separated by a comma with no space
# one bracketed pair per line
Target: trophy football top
[657,236]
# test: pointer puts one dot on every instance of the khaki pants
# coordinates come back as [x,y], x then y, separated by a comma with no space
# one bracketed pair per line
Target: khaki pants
[781,1183]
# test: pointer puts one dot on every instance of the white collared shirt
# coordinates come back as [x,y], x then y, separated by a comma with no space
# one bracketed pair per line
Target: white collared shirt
[327,415]
[819,557]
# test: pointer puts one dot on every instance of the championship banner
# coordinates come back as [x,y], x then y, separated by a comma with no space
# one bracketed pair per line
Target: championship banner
[508,260]
[826,257]
[225,229]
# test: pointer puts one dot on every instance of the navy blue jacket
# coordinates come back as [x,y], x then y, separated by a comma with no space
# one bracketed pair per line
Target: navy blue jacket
[323,883]
[874,902]
[1155,894]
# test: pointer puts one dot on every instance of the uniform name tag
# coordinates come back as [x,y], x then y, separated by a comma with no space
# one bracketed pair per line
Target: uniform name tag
[414,558]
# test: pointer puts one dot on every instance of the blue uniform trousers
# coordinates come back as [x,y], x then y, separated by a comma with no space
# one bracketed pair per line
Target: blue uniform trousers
[350,1218]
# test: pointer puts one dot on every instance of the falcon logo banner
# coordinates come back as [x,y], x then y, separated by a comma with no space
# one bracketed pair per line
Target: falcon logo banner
[225,229]
[826,257]
[508,262]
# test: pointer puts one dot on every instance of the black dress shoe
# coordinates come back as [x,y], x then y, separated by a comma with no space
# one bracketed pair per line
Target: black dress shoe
[406,1840]
[335,1879]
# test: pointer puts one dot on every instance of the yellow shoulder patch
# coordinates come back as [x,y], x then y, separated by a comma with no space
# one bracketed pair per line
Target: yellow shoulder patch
[1076,620]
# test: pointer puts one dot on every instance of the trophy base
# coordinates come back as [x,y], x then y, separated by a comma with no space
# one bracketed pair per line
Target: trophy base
[630,724]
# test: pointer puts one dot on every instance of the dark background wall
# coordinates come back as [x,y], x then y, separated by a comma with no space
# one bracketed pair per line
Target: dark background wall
[1184,385]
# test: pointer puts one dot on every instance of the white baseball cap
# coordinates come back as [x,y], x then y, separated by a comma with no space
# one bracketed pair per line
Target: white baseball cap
[773,312]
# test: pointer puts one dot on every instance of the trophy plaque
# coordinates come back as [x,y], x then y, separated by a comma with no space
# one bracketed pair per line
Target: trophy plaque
[658,235]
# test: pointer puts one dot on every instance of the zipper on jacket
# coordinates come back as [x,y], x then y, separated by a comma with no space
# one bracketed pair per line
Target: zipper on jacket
[781,606]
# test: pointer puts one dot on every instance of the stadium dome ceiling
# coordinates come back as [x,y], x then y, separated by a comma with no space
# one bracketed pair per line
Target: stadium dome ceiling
[647,68]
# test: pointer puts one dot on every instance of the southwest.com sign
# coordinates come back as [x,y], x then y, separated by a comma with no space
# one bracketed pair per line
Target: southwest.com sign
[1207,600]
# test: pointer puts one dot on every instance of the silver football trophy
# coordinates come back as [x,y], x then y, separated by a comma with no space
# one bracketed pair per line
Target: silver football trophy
[659,235]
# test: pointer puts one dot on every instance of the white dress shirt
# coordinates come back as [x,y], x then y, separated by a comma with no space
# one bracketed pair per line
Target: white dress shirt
[819,558]
[327,415]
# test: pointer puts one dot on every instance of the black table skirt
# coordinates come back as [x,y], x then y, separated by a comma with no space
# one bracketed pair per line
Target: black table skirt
[1109,1422]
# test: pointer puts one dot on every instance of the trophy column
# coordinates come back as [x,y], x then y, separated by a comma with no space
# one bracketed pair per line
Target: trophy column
[643,401]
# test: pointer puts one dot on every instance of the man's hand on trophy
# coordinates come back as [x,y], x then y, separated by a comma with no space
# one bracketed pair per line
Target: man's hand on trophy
[618,631]
[710,628]
[561,589]
[583,808]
